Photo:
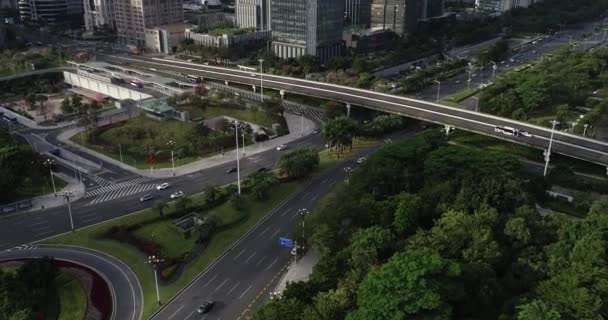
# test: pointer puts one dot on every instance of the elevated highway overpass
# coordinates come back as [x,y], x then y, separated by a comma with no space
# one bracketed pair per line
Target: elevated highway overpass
[564,143]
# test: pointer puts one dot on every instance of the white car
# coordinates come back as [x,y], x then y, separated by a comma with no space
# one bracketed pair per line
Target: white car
[361,160]
[177,194]
[282,147]
[525,134]
[162,186]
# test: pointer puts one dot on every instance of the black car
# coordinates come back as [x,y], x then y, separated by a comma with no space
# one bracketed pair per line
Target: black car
[231,170]
[146,198]
[205,307]
[262,169]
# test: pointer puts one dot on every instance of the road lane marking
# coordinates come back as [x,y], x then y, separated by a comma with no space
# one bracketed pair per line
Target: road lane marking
[234,287]
[265,230]
[91,219]
[176,311]
[242,294]
[261,260]
[273,262]
[209,282]
[275,234]
[293,217]
[315,197]
[238,255]
[285,212]
[43,233]
[41,228]
[251,256]
[38,223]
[221,285]
[189,315]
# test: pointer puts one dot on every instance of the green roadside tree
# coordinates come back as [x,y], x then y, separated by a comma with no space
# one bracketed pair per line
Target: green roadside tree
[260,184]
[339,133]
[415,284]
[66,106]
[299,163]
[160,207]
[537,310]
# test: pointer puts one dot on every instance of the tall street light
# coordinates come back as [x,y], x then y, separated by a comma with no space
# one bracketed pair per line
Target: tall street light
[469,80]
[49,164]
[66,195]
[347,171]
[585,127]
[154,261]
[303,212]
[494,67]
[261,79]
[548,152]
[238,168]
[171,144]
[438,89]
[243,135]
[476,103]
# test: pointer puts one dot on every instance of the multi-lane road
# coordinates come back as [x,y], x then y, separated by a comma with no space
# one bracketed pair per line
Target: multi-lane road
[564,143]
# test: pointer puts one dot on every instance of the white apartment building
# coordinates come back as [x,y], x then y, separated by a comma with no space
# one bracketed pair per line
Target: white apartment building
[133,17]
[99,14]
[499,6]
[252,14]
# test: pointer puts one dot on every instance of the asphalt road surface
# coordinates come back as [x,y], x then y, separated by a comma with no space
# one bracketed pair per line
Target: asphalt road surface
[564,143]
[242,278]
[126,292]
[28,227]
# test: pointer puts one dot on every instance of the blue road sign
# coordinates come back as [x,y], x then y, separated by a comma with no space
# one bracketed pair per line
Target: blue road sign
[286,242]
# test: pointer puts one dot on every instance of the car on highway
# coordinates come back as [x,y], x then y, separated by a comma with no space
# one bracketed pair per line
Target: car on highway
[361,160]
[177,194]
[205,307]
[281,147]
[162,186]
[525,134]
[146,198]
[231,170]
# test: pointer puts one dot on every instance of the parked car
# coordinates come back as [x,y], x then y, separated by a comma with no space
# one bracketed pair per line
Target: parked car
[231,170]
[162,186]
[177,194]
[205,307]
[361,160]
[146,198]
[282,147]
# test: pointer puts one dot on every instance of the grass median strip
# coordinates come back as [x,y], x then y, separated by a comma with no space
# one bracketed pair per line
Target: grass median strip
[149,227]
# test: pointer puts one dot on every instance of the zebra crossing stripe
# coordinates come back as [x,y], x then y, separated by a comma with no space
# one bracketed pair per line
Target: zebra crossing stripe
[134,189]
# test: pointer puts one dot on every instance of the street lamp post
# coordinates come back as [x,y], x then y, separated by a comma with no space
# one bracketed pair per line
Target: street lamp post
[238,168]
[154,261]
[303,212]
[120,152]
[302,119]
[469,80]
[243,135]
[261,79]
[66,195]
[548,152]
[476,103]
[347,171]
[494,67]
[585,127]
[171,144]
[49,163]
[438,89]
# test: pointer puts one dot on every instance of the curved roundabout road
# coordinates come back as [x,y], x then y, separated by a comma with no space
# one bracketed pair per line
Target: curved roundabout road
[127,297]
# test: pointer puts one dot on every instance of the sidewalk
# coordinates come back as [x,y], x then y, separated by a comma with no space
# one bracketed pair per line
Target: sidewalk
[294,123]
[50,200]
[299,270]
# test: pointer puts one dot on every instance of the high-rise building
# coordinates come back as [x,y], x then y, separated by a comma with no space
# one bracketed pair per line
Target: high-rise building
[252,14]
[43,11]
[312,27]
[400,16]
[99,14]
[498,6]
[2,32]
[132,17]
[432,8]
[358,13]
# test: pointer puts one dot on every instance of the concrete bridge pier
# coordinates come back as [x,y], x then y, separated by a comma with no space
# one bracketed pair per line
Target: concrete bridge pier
[253,87]
[348,110]
[448,129]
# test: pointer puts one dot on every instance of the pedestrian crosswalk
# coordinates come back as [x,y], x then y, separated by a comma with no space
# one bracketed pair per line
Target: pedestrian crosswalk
[315,114]
[119,193]
[115,186]
[100,181]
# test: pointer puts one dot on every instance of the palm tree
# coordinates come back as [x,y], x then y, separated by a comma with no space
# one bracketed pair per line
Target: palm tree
[339,133]
[204,230]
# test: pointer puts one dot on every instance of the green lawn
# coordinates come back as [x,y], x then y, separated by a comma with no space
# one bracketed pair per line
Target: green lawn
[460,96]
[29,190]
[259,117]
[72,297]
